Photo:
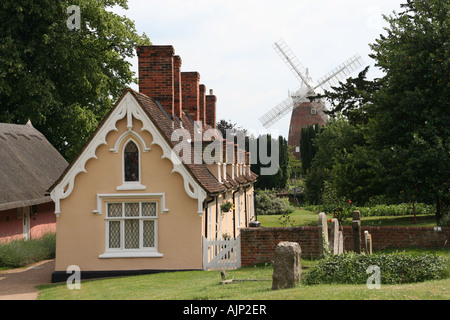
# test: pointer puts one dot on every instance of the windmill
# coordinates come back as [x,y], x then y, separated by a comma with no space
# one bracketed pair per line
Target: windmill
[304,112]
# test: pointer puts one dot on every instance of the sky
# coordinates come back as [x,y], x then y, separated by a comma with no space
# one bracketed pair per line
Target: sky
[230,42]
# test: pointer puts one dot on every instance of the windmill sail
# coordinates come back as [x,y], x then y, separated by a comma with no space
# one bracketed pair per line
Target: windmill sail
[292,62]
[278,112]
[340,73]
[331,79]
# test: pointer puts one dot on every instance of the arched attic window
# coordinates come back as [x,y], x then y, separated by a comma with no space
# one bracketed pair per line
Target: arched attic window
[131,162]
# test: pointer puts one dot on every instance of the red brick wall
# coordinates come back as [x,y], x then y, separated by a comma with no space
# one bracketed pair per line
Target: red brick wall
[301,118]
[258,244]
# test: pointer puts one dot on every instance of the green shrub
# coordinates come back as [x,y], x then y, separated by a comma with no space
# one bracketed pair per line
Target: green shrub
[267,203]
[19,253]
[351,268]
[445,221]
[396,210]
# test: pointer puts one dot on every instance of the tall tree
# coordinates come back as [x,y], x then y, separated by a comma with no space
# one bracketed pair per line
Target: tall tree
[61,77]
[279,179]
[307,148]
[404,115]
[409,126]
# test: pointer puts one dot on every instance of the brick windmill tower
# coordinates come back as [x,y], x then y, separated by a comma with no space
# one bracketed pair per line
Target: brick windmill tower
[304,112]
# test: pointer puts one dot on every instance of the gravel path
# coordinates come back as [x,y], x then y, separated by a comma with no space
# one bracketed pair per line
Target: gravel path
[19,284]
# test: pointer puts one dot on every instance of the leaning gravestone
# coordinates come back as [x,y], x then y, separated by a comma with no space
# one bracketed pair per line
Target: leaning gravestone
[287,270]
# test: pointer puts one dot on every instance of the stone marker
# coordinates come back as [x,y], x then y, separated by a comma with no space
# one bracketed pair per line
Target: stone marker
[356,226]
[368,242]
[287,269]
[323,235]
[341,243]
[334,241]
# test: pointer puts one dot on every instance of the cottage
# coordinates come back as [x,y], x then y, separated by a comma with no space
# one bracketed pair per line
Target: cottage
[145,192]
[29,165]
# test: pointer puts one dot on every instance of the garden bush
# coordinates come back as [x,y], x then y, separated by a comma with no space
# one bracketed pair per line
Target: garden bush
[19,253]
[396,210]
[351,268]
[267,203]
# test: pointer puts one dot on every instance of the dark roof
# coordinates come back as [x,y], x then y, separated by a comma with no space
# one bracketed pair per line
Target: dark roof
[29,164]
[165,125]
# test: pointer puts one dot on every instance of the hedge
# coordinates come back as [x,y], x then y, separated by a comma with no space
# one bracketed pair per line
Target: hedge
[396,210]
[351,268]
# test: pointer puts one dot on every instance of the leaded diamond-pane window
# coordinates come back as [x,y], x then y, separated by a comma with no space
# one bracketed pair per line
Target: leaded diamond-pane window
[131,162]
[149,209]
[132,209]
[114,209]
[149,233]
[132,234]
[131,226]
[114,234]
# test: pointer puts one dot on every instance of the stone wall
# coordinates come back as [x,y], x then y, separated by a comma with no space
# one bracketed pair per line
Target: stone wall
[258,244]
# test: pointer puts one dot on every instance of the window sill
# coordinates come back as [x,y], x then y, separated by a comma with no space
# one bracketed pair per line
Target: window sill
[109,255]
[131,186]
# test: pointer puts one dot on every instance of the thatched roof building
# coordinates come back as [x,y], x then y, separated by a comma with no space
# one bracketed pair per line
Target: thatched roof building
[29,165]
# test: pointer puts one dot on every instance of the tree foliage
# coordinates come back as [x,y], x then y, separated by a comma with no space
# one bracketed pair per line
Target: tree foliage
[63,80]
[307,147]
[280,178]
[397,141]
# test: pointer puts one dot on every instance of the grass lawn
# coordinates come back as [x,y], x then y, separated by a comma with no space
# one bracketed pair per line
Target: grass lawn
[205,285]
[302,218]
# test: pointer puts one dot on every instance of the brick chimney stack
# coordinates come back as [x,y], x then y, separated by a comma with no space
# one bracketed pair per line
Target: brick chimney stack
[202,103]
[156,75]
[210,114]
[190,94]
[177,100]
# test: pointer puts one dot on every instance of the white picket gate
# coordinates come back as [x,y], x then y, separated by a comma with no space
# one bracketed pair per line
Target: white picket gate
[221,254]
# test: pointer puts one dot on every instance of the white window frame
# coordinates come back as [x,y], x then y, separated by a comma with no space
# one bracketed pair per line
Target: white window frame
[131,253]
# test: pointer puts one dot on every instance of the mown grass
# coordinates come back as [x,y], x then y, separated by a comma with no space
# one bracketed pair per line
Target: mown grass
[205,285]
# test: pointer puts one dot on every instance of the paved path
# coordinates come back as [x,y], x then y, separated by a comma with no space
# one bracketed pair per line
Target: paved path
[19,284]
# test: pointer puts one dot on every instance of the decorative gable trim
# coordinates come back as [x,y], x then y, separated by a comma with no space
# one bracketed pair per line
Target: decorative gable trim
[127,107]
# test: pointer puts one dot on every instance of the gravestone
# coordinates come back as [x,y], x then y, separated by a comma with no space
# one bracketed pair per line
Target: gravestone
[356,226]
[341,242]
[287,269]
[368,242]
[323,235]
[334,236]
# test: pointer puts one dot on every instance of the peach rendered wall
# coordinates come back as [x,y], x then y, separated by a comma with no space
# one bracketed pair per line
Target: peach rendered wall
[219,224]
[81,235]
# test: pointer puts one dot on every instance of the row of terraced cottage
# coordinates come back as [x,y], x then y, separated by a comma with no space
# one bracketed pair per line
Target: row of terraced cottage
[126,203]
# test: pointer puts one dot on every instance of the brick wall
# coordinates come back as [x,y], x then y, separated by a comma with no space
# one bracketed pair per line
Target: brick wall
[302,117]
[258,244]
